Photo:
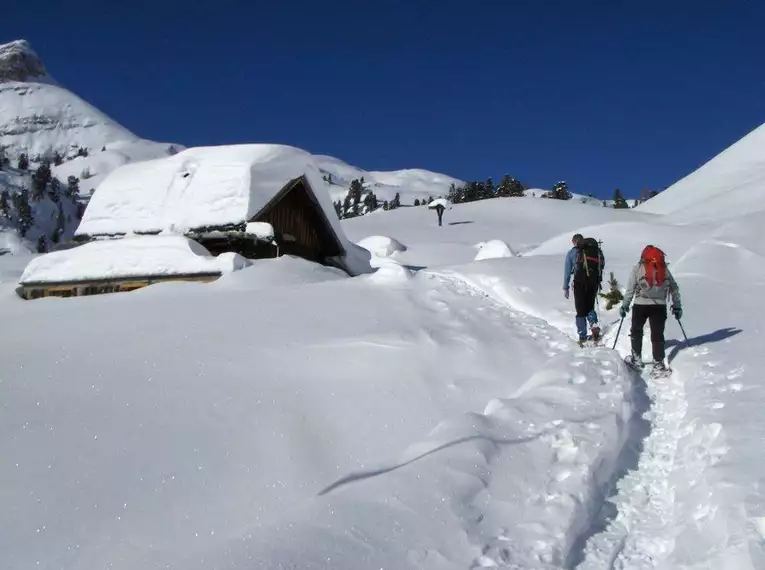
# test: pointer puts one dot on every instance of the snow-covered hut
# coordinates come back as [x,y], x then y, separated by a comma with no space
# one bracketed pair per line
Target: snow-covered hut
[258,200]
[108,266]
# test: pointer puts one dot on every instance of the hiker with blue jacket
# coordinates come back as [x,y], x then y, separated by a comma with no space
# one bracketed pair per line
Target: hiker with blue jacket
[650,284]
[585,262]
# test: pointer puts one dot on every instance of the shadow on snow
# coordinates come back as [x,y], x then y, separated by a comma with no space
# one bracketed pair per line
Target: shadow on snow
[716,336]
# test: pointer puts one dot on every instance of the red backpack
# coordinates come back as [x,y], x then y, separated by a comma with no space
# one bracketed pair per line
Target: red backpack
[652,259]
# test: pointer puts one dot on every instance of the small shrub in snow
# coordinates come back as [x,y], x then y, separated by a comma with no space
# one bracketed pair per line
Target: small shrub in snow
[85,174]
[614,295]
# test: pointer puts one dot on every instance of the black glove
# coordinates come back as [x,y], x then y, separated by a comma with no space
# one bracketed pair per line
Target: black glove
[678,312]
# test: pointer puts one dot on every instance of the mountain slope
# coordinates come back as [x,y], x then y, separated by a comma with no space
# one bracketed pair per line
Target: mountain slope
[409,183]
[47,123]
[37,116]
[731,183]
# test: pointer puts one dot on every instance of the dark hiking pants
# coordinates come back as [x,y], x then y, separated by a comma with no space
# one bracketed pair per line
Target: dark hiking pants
[585,295]
[656,315]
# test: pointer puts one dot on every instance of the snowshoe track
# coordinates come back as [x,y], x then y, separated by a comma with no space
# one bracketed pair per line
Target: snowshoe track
[641,534]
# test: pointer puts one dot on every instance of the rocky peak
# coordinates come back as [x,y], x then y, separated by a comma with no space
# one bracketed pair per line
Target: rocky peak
[19,62]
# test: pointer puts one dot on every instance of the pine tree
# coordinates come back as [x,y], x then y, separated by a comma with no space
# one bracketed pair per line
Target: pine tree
[454,195]
[430,199]
[355,191]
[58,231]
[72,187]
[24,214]
[489,190]
[3,158]
[54,190]
[40,179]
[416,201]
[560,191]
[58,160]
[347,206]
[396,201]
[84,151]
[329,178]
[338,209]
[619,201]
[42,244]
[23,163]
[386,205]
[370,203]
[5,203]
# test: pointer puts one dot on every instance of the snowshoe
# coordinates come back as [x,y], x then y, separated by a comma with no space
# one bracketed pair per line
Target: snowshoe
[634,362]
[660,370]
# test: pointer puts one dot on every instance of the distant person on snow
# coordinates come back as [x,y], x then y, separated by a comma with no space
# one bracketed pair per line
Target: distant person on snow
[585,262]
[650,284]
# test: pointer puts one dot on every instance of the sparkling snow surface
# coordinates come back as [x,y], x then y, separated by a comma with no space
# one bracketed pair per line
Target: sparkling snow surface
[435,414]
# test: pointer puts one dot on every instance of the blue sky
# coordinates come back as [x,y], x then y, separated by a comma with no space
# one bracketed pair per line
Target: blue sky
[603,94]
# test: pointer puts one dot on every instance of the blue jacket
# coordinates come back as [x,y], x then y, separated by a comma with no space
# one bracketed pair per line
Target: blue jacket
[568,266]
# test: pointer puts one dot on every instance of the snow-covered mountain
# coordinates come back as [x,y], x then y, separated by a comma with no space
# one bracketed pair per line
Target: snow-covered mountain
[38,116]
[410,184]
[43,121]
[729,184]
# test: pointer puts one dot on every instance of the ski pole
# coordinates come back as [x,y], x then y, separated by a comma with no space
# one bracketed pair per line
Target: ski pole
[685,336]
[617,333]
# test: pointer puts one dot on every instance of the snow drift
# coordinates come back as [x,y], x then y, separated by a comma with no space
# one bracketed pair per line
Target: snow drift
[730,184]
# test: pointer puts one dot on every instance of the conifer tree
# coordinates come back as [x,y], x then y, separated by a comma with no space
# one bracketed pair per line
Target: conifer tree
[72,187]
[23,209]
[5,203]
[54,190]
[619,201]
[396,201]
[560,191]
[40,179]
[416,201]
[23,162]
[58,160]
[42,244]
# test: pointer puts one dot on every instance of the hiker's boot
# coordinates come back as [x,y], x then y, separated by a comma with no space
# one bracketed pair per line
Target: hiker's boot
[634,360]
[660,367]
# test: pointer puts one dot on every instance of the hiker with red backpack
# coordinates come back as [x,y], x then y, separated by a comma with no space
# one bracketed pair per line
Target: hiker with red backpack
[585,262]
[650,284]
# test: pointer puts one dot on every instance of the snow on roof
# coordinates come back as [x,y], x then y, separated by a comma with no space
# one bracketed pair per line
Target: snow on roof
[132,256]
[205,187]
[196,188]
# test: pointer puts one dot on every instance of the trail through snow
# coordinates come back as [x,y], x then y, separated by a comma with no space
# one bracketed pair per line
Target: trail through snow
[639,524]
